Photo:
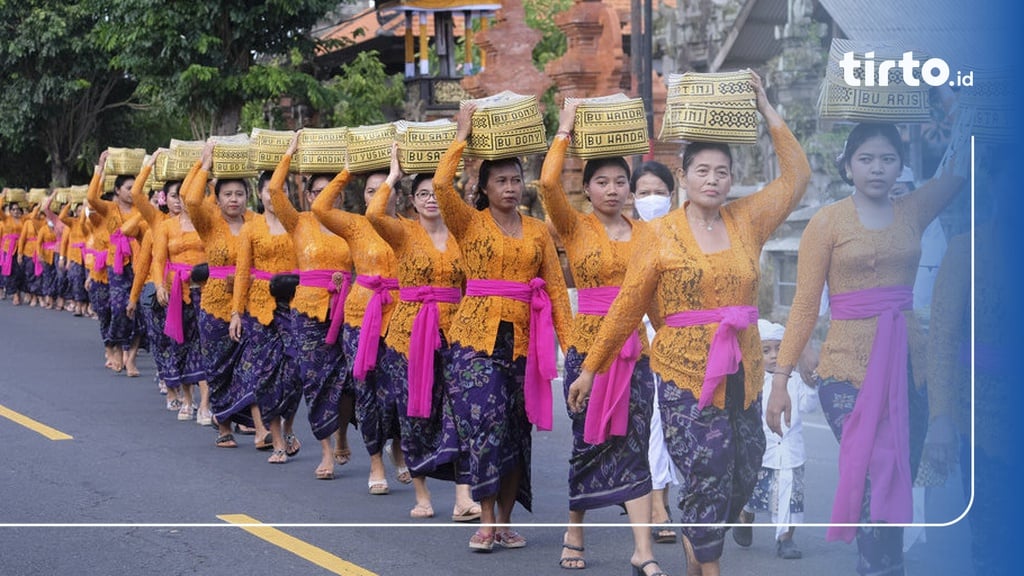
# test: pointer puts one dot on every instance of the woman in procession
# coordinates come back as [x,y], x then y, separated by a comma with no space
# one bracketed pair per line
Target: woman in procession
[704,273]
[609,462]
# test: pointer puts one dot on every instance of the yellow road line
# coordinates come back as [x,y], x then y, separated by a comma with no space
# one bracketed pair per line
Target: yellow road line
[304,550]
[51,433]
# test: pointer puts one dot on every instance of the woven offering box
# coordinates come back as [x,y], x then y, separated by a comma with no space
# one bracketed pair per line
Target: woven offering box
[321,151]
[14,196]
[61,196]
[37,195]
[183,155]
[152,183]
[268,147]
[710,107]
[421,144]
[506,125]
[613,125]
[871,102]
[231,158]
[78,194]
[109,181]
[987,104]
[369,147]
[124,161]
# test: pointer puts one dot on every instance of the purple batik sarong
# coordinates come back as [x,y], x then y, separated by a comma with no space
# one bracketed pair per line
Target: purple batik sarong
[321,370]
[376,412]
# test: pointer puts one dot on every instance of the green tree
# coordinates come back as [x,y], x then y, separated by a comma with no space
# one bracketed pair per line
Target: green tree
[210,58]
[57,80]
[365,90]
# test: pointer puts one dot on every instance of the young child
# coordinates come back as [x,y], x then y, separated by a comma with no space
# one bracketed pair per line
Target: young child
[781,478]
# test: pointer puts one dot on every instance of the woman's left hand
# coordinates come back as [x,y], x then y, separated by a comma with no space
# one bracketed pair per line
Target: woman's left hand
[579,392]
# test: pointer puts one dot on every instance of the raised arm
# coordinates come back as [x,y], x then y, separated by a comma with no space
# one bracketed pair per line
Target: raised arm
[456,213]
[133,226]
[139,199]
[388,226]
[768,208]
[243,275]
[144,262]
[102,207]
[283,208]
[193,192]
[340,222]
[552,194]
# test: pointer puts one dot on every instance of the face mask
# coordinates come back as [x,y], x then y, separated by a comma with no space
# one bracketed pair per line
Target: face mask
[653,206]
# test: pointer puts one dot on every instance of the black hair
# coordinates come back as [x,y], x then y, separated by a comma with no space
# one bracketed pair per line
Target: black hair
[263,180]
[171,184]
[419,180]
[862,133]
[596,164]
[694,148]
[121,179]
[484,175]
[217,186]
[654,168]
[308,184]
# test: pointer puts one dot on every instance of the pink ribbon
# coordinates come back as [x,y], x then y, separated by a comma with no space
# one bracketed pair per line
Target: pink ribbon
[425,340]
[9,244]
[99,258]
[876,434]
[122,248]
[324,279]
[38,268]
[608,410]
[260,274]
[174,327]
[541,367]
[373,319]
[724,353]
[221,272]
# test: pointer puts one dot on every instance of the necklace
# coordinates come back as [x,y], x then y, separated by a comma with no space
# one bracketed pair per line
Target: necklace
[707,224]
[508,232]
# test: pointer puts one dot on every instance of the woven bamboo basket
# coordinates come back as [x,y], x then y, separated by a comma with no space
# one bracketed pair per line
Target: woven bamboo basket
[506,125]
[231,158]
[896,102]
[124,161]
[16,196]
[78,194]
[613,125]
[183,155]
[710,107]
[369,147]
[61,196]
[109,180]
[321,151]
[268,147]
[421,144]
[37,195]
[986,102]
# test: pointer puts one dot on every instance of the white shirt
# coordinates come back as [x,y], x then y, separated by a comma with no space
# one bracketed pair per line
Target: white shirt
[787,451]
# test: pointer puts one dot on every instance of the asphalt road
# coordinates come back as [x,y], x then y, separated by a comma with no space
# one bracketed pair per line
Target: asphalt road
[172,496]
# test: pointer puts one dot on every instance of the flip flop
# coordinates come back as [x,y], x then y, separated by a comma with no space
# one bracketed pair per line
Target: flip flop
[267,443]
[342,456]
[278,457]
[291,441]
[422,511]
[226,441]
[324,473]
[467,514]
[378,487]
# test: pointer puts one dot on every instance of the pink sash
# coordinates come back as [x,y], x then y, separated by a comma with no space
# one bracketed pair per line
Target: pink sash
[608,410]
[99,258]
[80,246]
[541,366]
[373,319]
[221,272]
[9,244]
[260,274]
[324,279]
[876,434]
[122,248]
[424,341]
[724,353]
[174,327]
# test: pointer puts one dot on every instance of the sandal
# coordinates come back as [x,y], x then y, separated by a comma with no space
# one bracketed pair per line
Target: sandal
[571,562]
[278,457]
[639,570]
[664,534]
[244,430]
[378,487]
[481,541]
[421,511]
[744,535]
[292,445]
[466,514]
[267,443]
[324,473]
[402,475]
[226,441]
[185,412]
[509,539]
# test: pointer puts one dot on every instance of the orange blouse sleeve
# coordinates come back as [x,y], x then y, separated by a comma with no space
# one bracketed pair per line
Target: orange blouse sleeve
[561,311]
[145,262]
[243,277]
[283,208]
[141,201]
[813,260]
[160,253]
[340,222]
[932,197]
[552,194]
[458,215]
[389,227]
[193,192]
[102,207]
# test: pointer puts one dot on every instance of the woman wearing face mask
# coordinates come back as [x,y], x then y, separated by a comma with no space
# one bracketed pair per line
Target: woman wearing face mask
[368,310]
[609,464]
[501,336]
[124,335]
[218,219]
[324,267]
[654,193]
[704,273]
[867,247]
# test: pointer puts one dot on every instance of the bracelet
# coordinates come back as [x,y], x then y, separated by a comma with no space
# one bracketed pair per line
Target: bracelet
[565,133]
